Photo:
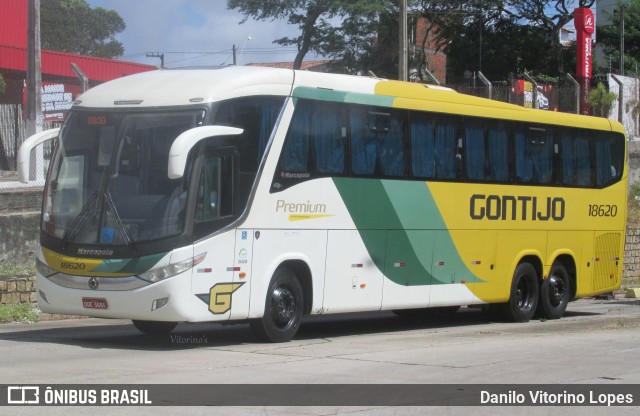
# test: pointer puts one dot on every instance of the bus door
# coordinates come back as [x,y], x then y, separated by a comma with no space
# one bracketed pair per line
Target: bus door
[219,280]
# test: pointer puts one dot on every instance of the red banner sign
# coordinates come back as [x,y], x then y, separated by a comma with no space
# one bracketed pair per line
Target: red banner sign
[585,24]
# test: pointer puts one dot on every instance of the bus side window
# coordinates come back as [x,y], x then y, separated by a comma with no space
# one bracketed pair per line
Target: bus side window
[534,155]
[364,142]
[436,149]
[328,134]
[446,149]
[215,191]
[609,158]
[475,146]
[422,145]
[315,141]
[576,158]
[377,142]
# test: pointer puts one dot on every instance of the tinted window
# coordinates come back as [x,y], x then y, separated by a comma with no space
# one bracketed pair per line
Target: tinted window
[377,142]
[316,139]
[534,149]
[609,158]
[576,157]
[487,151]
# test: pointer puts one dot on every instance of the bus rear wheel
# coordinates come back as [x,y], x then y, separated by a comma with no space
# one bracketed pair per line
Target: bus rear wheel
[283,308]
[154,327]
[523,299]
[555,293]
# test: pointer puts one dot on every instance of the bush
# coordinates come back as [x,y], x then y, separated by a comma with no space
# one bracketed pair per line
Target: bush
[601,100]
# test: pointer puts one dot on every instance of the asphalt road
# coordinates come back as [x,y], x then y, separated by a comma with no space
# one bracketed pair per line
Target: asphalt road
[597,342]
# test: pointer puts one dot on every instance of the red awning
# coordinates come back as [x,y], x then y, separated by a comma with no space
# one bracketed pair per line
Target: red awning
[58,64]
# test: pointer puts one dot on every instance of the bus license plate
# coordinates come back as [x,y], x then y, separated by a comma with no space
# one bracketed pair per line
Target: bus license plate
[94,303]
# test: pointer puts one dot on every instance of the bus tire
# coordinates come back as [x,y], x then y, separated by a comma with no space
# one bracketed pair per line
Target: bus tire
[555,293]
[523,299]
[154,327]
[283,308]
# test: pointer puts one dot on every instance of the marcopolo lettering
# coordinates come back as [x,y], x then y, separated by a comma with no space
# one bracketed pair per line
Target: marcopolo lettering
[508,207]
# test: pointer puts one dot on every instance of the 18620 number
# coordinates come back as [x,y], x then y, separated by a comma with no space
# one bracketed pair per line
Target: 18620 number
[596,210]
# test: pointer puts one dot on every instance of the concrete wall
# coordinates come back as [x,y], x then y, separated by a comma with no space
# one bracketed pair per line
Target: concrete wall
[19,226]
[634,161]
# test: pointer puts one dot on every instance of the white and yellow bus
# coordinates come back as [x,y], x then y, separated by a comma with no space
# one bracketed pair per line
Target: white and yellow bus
[264,195]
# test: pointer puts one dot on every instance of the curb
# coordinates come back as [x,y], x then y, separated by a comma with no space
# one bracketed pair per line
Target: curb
[633,292]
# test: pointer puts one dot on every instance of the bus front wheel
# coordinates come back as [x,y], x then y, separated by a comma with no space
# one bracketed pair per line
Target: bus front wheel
[283,308]
[154,327]
[523,299]
[555,293]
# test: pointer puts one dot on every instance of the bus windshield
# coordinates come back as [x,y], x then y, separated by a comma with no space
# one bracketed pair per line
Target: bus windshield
[109,182]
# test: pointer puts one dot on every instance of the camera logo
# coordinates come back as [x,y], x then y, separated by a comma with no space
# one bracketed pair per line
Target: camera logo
[23,395]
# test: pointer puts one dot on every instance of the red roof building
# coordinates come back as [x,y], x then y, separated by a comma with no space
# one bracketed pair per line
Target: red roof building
[55,65]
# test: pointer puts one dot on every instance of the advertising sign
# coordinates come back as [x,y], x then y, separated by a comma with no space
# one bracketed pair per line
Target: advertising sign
[546,97]
[585,25]
[57,100]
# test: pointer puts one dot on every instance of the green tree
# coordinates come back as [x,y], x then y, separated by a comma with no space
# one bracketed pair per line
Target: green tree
[548,17]
[609,37]
[601,100]
[346,31]
[501,37]
[73,26]
[3,85]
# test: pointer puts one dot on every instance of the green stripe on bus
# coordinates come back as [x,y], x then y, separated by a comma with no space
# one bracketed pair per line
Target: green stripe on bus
[342,97]
[418,249]
[131,266]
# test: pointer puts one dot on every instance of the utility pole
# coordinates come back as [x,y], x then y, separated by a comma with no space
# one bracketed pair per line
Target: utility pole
[403,59]
[34,75]
[621,38]
[481,24]
[157,55]
[34,88]
[235,59]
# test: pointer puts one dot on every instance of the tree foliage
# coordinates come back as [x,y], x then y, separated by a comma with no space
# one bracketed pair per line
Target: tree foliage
[601,100]
[501,37]
[345,31]
[73,26]
[609,37]
[497,36]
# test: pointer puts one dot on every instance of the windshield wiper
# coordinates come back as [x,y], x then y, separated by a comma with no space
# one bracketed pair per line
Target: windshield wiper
[123,231]
[76,225]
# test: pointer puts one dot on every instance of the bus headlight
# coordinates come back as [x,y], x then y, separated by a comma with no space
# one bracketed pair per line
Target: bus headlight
[171,270]
[44,269]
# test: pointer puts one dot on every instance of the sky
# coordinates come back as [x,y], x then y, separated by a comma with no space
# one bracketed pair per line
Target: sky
[196,33]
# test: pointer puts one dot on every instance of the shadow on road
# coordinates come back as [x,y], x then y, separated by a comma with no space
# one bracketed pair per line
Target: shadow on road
[89,334]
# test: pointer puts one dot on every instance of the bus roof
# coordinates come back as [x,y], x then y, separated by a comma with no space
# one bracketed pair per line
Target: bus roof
[181,87]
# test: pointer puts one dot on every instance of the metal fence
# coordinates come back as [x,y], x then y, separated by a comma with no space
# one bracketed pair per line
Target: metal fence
[13,132]
[559,96]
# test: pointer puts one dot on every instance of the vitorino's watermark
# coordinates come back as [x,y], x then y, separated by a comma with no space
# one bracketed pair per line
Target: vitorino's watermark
[189,340]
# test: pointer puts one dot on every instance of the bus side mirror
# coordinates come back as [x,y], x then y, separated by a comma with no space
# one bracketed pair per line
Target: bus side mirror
[187,140]
[24,154]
